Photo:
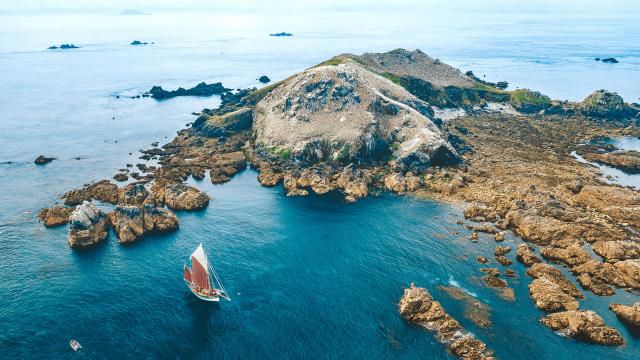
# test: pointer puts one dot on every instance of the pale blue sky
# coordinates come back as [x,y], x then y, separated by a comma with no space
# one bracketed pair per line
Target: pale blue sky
[45,6]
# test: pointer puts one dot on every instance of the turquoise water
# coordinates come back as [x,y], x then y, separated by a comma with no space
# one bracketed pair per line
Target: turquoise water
[309,277]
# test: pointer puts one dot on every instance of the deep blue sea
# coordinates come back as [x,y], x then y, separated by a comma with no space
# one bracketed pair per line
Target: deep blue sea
[310,278]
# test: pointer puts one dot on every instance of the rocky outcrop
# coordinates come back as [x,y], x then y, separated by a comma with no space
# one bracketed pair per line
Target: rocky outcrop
[202,89]
[135,194]
[613,251]
[264,79]
[347,114]
[418,307]
[629,314]
[55,216]
[103,190]
[183,197]
[131,223]
[583,325]
[224,125]
[528,101]
[526,255]
[550,290]
[88,226]
[41,160]
[605,105]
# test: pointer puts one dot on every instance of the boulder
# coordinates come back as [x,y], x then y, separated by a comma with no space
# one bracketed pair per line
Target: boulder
[501,250]
[551,290]
[55,216]
[606,105]
[88,226]
[264,79]
[183,197]
[583,325]
[629,314]
[133,194]
[131,223]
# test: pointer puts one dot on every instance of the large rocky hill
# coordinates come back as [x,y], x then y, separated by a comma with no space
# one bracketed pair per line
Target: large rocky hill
[347,113]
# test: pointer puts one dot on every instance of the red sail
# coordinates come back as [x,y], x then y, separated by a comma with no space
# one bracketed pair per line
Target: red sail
[187,274]
[200,274]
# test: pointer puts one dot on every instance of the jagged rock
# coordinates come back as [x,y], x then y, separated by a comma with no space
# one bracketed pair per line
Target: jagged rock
[586,325]
[482,259]
[268,177]
[569,252]
[417,306]
[526,256]
[131,223]
[202,89]
[41,160]
[617,250]
[120,177]
[503,261]
[479,212]
[264,79]
[183,197]
[629,314]
[103,190]
[499,236]
[474,237]
[621,204]
[133,194]
[88,226]
[55,216]
[495,272]
[501,250]
[396,183]
[550,290]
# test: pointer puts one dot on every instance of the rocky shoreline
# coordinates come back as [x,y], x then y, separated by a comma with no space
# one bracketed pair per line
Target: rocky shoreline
[362,124]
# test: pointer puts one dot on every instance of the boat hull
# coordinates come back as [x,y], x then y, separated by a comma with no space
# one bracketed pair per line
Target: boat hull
[205,298]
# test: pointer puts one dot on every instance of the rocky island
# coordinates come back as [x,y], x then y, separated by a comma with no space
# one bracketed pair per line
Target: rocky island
[407,123]
[202,89]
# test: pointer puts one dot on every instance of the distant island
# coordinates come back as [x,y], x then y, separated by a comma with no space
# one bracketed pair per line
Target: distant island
[407,123]
[281,34]
[63,46]
[138,42]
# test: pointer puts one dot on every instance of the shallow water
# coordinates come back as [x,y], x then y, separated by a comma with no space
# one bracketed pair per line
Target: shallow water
[310,277]
[610,174]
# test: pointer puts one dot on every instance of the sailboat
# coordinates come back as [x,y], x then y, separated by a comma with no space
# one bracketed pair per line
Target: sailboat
[202,279]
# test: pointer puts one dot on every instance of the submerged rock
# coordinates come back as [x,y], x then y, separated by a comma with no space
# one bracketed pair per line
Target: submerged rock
[281,34]
[88,226]
[55,216]
[629,314]
[584,325]
[131,223]
[417,306]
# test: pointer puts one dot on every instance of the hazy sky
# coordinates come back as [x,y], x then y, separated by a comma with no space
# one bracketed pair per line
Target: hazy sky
[110,6]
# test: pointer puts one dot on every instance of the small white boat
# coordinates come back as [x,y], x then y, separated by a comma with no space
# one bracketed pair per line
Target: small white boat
[202,279]
[75,345]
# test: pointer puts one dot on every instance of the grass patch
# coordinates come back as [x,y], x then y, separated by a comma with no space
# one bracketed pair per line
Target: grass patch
[524,96]
[394,78]
[334,61]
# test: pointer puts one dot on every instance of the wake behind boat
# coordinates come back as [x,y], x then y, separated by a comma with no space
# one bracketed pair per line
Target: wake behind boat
[202,279]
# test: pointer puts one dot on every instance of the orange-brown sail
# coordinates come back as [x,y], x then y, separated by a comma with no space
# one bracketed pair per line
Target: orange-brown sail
[200,269]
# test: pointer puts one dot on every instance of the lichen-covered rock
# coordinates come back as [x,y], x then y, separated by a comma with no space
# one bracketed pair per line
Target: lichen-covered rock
[131,223]
[585,325]
[605,104]
[526,256]
[629,314]
[55,216]
[88,226]
[345,114]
